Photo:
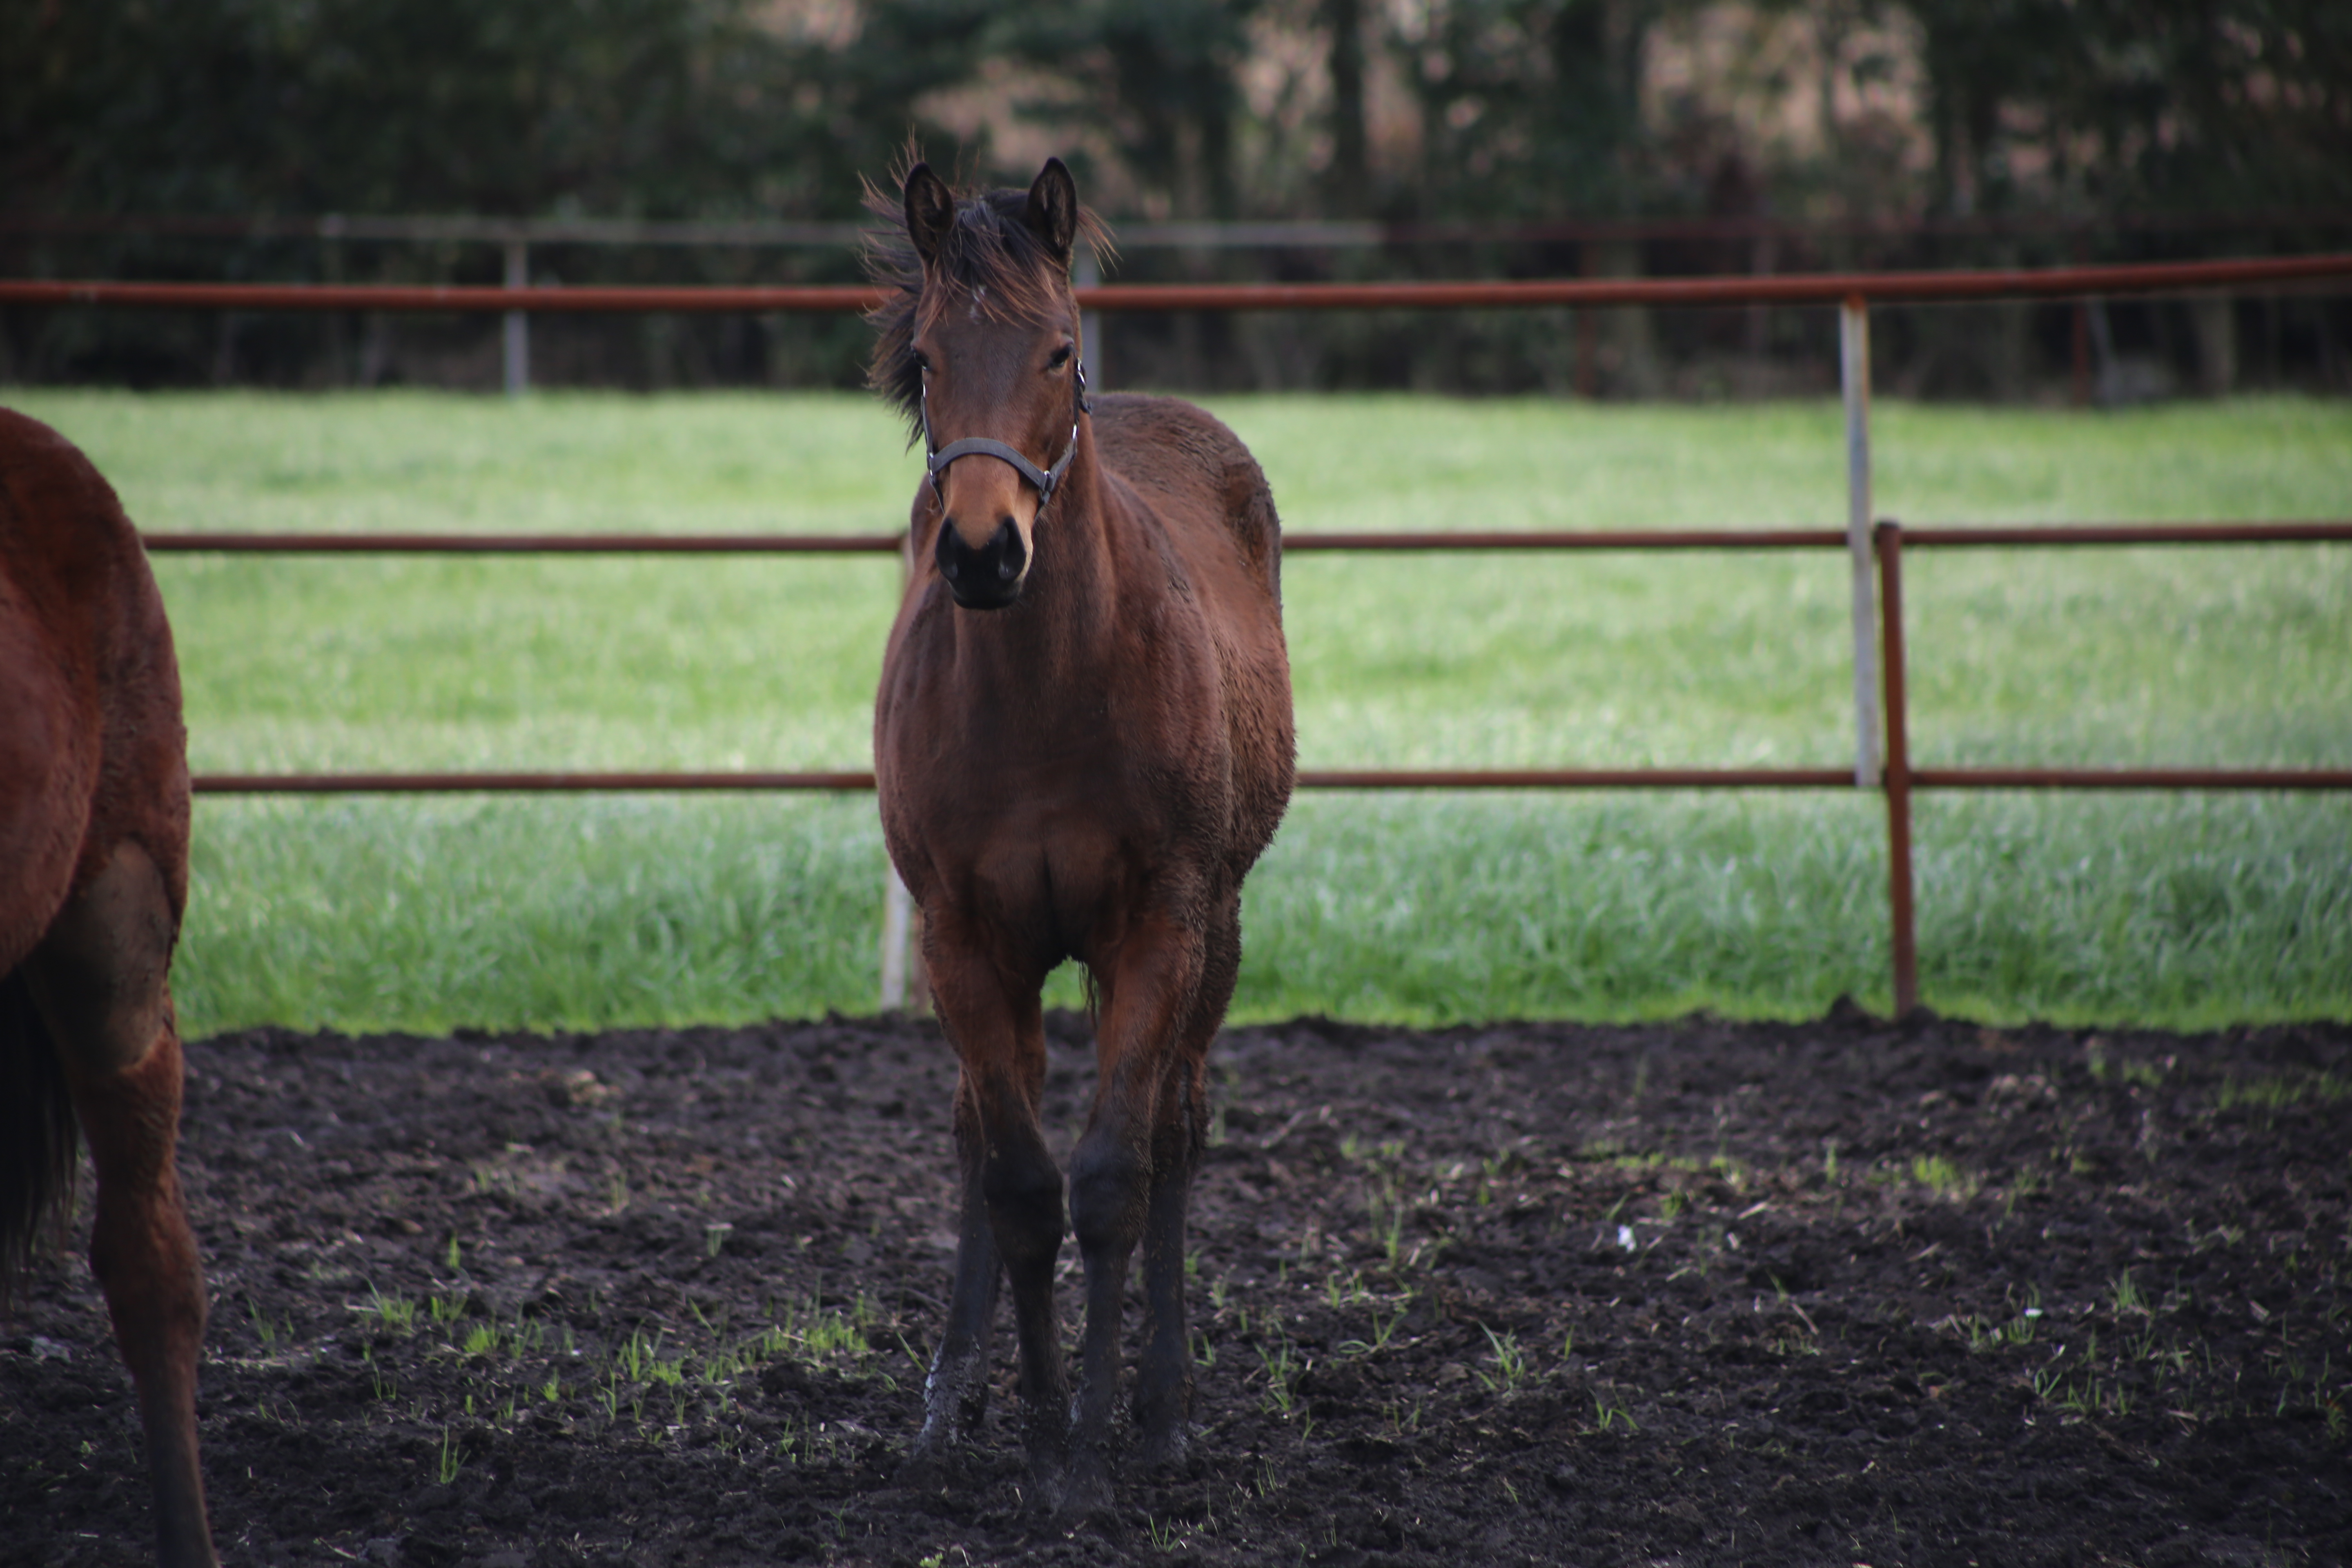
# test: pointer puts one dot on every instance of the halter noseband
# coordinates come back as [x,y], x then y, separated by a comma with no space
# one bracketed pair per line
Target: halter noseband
[937,457]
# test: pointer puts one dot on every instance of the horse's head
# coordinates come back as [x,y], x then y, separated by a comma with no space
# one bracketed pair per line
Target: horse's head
[981,349]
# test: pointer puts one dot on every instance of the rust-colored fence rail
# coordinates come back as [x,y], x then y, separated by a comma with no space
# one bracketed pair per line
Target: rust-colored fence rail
[1874,547]
[1310,234]
[1804,289]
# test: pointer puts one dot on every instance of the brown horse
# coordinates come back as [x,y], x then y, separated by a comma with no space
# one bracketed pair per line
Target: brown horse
[93,876]
[1083,742]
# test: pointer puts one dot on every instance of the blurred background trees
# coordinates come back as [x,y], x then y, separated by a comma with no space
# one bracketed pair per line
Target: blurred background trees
[1887,128]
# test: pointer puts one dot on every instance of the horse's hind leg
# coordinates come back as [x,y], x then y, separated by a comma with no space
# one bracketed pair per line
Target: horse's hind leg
[97,978]
[1163,1384]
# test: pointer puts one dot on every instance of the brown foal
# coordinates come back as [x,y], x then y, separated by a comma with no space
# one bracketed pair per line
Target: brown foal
[1083,740]
[94,877]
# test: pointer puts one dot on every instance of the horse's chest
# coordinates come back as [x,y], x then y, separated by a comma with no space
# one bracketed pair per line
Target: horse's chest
[1060,806]
[1064,842]
[1062,871]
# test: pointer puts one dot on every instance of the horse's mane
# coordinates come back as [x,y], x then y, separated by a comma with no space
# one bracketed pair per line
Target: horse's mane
[990,248]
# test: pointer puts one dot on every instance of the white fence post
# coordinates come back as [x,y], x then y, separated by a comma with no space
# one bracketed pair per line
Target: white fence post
[898,941]
[905,986]
[1854,375]
[518,322]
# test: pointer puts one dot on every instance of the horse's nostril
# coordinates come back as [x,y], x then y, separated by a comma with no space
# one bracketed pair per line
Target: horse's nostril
[948,552]
[1010,556]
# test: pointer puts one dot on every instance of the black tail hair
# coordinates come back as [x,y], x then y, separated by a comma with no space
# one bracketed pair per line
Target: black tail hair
[40,1139]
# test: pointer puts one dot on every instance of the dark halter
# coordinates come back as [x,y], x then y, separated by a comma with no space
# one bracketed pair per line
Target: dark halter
[937,457]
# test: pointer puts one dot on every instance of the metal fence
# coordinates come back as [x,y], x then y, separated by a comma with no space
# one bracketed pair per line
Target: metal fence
[1874,546]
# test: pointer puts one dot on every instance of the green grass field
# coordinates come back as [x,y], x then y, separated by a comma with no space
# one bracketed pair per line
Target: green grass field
[421,914]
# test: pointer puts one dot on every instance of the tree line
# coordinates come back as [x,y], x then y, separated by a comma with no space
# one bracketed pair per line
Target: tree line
[1491,111]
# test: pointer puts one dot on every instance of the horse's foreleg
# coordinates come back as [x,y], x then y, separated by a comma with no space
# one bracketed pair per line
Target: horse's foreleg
[1163,1384]
[955,1397]
[1112,1176]
[1012,1199]
[98,979]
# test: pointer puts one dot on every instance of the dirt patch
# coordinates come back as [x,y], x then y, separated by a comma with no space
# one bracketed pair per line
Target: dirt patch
[1830,1292]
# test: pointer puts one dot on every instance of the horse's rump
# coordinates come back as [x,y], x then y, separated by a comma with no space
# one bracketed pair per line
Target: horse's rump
[92,755]
[93,749]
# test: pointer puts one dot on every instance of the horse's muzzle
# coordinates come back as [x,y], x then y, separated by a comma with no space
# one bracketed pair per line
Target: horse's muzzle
[988,578]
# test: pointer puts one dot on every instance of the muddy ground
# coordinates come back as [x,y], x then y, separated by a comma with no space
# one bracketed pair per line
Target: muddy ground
[1834,1292]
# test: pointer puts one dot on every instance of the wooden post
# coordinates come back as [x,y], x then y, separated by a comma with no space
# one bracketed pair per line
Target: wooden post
[1854,366]
[2079,338]
[1760,259]
[2078,335]
[1587,334]
[1090,332]
[1898,771]
[518,322]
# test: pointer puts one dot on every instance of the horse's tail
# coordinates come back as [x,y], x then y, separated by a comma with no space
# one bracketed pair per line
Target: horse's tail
[40,1139]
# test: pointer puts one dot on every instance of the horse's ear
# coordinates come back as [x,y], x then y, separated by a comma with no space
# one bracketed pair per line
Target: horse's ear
[931,211]
[1053,213]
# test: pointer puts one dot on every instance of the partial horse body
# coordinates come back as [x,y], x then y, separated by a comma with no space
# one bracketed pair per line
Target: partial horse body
[1083,742]
[93,878]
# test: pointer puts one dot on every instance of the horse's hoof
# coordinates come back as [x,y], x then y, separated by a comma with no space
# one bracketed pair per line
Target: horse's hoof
[1041,1495]
[928,1465]
[1048,1481]
[1086,1495]
[1163,1451]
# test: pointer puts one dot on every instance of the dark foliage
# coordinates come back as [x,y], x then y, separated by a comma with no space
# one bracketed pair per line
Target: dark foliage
[1519,110]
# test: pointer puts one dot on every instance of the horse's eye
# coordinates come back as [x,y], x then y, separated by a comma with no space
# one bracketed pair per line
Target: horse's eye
[922,362]
[1058,358]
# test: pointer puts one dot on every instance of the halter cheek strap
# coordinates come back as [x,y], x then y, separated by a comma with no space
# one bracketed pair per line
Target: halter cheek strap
[1044,480]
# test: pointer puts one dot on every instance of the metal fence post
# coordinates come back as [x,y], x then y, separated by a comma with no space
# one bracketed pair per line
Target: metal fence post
[1904,937]
[518,322]
[1854,375]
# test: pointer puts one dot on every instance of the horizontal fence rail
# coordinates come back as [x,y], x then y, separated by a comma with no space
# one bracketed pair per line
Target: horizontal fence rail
[1807,288]
[846,781]
[2133,778]
[526,543]
[1400,543]
[893,543]
[2077,535]
[2287,533]
[1300,234]
[1875,547]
